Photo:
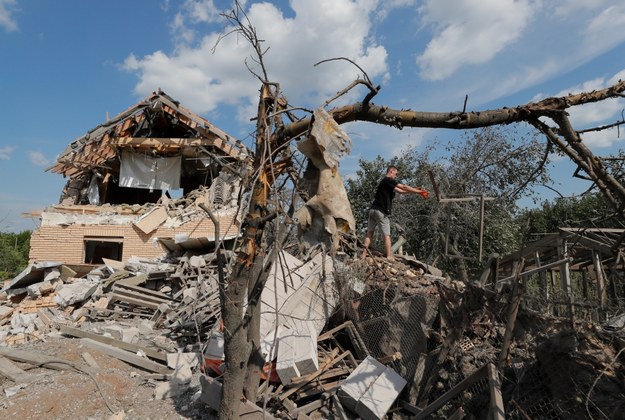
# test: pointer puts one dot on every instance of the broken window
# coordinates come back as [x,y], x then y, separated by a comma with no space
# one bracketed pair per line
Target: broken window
[97,248]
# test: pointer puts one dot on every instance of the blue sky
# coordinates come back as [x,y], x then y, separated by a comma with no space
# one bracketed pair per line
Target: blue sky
[68,64]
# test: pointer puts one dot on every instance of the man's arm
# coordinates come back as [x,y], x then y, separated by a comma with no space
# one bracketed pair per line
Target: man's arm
[407,189]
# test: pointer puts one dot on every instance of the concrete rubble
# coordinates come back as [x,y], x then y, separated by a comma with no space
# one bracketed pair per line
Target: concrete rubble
[136,309]
[342,338]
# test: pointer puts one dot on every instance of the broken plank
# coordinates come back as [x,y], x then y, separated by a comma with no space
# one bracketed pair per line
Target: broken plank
[107,312]
[38,359]
[122,297]
[127,356]
[313,389]
[413,409]
[75,332]
[155,294]
[14,373]
[453,392]
[303,380]
[332,373]
[338,408]
[352,332]
[305,409]
[496,411]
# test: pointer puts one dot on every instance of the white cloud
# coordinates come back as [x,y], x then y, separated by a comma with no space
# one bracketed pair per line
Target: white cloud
[193,12]
[203,78]
[565,8]
[38,158]
[181,32]
[469,32]
[7,7]
[202,11]
[561,36]
[594,114]
[603,139]
[5,152]
[604,30]
[385,7]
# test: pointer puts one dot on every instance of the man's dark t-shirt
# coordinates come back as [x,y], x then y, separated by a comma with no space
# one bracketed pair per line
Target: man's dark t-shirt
[384,195]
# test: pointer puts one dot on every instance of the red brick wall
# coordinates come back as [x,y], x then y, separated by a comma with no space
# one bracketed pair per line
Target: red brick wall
[66,243]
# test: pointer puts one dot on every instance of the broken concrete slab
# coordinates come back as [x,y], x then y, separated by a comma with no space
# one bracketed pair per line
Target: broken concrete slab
[52,274]
[33,273]
[197,261]
[151,220]
[126,356]
[33,291]
[297,354]
[182,374]
[113,265]
[75,292]
[314,299]
[371,389]
[285,364]
[285,278]
[26,321]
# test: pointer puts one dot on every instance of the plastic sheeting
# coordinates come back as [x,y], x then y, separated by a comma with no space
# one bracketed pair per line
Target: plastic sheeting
[94,192]
[147,172]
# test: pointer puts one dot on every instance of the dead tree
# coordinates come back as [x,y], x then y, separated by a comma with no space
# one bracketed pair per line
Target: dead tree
[241,301]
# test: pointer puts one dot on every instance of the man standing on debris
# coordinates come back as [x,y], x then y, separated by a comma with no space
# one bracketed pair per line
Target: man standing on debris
[381,208]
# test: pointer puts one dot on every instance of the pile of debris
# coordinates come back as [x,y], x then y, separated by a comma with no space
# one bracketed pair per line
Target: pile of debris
[343,338]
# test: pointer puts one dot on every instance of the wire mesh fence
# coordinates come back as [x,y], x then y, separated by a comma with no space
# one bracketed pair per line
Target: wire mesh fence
[550,352]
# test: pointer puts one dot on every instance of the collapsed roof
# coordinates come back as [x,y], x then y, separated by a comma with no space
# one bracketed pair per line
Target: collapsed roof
[157,127]
[116,201]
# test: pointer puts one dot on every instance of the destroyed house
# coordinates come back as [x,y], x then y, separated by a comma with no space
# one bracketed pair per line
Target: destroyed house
[121,177]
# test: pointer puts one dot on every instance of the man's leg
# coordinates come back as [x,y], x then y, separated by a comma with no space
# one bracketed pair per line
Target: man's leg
[368,237]
[385,225]
[374,220]
[387,246]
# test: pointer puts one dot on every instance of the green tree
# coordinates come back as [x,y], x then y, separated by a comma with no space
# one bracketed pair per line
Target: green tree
[495,162]
[14,248]
[590,210]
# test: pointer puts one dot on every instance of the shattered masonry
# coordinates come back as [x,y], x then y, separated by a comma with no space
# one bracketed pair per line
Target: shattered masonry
[539,335]
[115,202]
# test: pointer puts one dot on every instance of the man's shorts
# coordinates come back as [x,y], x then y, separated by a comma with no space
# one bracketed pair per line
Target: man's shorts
[377,218]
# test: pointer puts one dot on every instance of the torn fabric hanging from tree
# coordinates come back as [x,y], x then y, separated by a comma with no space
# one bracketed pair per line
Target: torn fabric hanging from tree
[328,211]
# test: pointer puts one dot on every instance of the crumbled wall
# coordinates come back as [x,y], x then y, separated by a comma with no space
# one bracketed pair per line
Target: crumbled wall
[64,243]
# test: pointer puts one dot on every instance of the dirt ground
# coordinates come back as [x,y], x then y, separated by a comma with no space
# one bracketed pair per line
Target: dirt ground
[114,391]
